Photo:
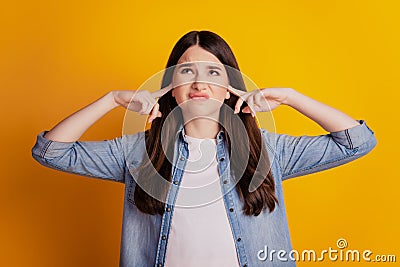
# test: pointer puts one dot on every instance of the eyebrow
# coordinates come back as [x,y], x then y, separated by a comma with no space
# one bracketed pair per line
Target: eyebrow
[191,64]
[214,67]
[185,65]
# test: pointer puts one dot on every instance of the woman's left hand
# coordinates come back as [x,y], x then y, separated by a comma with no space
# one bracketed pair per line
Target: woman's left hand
[261,100]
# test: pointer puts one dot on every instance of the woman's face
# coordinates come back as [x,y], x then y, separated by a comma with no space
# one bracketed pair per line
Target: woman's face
[200,82]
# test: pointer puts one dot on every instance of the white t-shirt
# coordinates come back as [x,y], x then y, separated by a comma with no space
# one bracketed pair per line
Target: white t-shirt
[200,233]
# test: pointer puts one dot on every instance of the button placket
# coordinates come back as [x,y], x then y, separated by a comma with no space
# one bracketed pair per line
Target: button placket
[232,216]
[171,198]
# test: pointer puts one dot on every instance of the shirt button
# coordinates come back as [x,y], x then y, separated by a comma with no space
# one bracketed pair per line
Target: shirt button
[164,237]
[182,158]
[245,265]
[231,209]
[239,239]
[222,159]
[175,182]
[159,265]
[225,181]
[168,209]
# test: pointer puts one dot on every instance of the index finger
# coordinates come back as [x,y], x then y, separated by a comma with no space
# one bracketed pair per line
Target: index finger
[236,91]
[162,91]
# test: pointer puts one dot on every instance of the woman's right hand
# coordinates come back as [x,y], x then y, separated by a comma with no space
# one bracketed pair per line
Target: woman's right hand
[141,101]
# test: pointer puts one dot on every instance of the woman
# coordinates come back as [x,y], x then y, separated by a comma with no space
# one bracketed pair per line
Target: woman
[194,118]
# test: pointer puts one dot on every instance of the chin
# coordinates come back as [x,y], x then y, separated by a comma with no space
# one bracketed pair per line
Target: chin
[192,111]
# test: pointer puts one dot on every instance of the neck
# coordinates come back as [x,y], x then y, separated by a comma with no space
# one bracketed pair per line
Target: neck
[202,128]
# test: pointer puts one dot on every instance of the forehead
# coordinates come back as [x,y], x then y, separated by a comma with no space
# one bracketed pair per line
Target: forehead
[196,53]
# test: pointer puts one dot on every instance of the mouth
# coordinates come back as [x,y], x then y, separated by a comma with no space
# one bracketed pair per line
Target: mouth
[198,96]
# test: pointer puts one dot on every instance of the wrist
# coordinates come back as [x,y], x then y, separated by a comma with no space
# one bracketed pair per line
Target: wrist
[110,97]
[291,95]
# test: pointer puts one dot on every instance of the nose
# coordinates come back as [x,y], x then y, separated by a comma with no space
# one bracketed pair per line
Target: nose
[199,85]
[200,82]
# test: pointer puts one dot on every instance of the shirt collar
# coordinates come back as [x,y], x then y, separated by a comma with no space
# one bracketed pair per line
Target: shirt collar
[181,133]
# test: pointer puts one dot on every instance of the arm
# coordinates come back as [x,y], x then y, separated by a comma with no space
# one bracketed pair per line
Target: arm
[302,155]
[332,120]
[348,139]
[71,128]
[59,149]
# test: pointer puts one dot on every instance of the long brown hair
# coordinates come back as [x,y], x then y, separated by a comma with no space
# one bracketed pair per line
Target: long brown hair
[251,158]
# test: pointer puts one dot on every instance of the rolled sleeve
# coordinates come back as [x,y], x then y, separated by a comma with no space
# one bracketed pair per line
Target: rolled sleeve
[99,159]
[302,155]
[355,136]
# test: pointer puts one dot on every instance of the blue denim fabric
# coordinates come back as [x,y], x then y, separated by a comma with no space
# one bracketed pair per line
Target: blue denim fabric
[145,237]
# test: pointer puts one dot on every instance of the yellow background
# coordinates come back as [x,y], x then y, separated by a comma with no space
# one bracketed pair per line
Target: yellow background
[58,56]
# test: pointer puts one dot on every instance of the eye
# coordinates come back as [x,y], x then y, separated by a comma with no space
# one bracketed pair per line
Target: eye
[186,70]
[214,72]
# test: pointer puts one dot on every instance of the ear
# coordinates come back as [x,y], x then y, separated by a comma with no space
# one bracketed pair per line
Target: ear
[173,93]
[228,95]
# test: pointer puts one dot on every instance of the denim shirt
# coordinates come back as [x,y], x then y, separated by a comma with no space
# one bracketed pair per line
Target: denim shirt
[145,237]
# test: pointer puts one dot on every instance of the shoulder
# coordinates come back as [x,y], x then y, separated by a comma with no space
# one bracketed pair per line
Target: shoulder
[133,138]
[268,137]
[133,145]
[270,140]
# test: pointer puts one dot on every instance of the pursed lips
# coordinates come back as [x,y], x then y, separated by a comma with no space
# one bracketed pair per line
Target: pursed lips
[198,96]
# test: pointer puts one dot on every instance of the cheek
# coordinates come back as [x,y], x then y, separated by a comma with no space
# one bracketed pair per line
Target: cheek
[179,93]
[220,94]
